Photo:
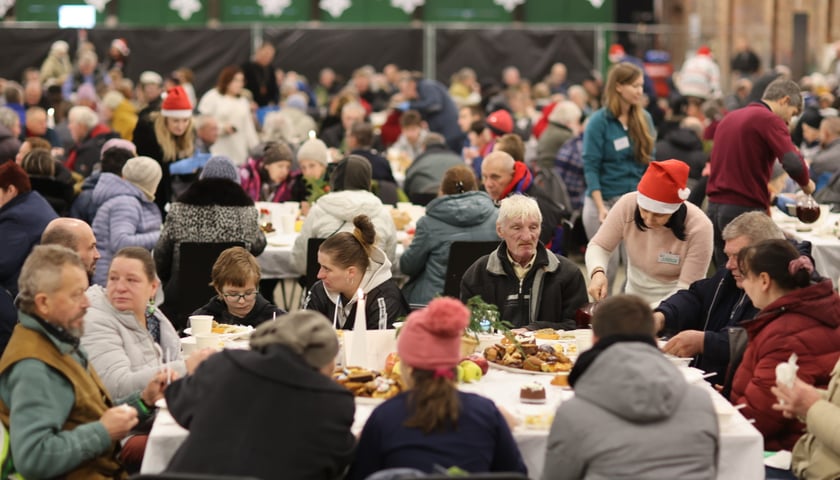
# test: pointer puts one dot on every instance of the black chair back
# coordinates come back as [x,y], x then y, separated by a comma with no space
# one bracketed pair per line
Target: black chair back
[191,286]
[461,256]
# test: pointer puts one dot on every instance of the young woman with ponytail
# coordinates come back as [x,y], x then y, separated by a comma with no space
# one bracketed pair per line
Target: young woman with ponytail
[433,424]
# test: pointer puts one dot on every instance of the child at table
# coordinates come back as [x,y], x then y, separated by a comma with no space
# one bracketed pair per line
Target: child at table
[432,423]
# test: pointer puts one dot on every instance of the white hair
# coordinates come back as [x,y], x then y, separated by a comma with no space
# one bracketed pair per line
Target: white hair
[8,117]
[518,206]
[565,113]
[353,107]
[83,115]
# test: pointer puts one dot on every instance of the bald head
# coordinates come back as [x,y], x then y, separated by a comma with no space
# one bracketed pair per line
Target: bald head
[75,235]
[497,173]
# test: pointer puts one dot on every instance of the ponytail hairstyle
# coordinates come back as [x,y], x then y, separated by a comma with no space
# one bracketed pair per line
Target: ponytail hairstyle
[641,137]
[780,260]
[433,401]
[352,249]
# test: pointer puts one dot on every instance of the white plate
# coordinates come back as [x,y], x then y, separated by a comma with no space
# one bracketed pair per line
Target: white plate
[161,403]
[520,370]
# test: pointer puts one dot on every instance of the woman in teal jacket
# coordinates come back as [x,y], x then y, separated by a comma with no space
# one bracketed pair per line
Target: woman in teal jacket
[618,144]
[459,213]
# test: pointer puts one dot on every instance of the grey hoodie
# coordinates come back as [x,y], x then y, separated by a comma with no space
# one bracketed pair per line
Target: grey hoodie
[633,416]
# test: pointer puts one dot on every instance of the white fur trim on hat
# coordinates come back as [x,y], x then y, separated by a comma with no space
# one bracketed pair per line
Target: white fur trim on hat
[656,206]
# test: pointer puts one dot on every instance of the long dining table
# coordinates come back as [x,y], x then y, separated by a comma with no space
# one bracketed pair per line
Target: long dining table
[740,450]
[823,236]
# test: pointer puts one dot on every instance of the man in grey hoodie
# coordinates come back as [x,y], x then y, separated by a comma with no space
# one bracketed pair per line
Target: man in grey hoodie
[633,414]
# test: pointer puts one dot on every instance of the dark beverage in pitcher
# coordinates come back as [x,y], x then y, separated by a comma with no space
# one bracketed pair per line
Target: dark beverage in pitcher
[808,213]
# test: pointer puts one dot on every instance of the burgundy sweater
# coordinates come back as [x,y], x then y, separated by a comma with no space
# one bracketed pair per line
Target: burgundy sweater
[747,143]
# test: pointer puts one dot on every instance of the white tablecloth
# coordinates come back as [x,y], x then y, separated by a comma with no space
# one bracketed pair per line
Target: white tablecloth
[825,246]
[741,446]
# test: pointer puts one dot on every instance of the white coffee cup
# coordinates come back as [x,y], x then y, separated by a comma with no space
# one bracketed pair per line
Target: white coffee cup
[201,324]
[287,223]
[207,340]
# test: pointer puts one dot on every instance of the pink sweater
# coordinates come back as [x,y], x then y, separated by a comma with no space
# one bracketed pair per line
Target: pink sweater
[658,263]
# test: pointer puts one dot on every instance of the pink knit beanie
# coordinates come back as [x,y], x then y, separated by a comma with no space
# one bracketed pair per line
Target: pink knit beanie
[431,338]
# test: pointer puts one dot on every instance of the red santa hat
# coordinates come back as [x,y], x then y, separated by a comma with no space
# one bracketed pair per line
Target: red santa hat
[704,50]
[176,103]
[663,186]
[616,52]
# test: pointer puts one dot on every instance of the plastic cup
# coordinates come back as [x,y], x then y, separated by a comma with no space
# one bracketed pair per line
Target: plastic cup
[207,341]
[201,324]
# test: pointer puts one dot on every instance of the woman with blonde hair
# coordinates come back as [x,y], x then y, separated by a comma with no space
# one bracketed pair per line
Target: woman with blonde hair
[618,145]
[167,136]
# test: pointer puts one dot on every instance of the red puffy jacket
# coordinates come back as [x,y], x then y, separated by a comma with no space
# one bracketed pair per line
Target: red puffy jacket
[804,322]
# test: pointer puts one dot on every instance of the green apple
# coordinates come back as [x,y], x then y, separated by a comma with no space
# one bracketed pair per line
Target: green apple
[472,372]
[397,369]
[459,374]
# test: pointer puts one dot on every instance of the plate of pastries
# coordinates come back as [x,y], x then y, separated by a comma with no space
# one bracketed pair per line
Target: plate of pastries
[369,386]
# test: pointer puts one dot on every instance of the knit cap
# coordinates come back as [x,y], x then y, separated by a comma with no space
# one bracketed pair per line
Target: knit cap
[431,337]
[150,77]
[220,166]
[352,173]
[144,173]
[662,188]
[306,332]
[176,103]
[315,150]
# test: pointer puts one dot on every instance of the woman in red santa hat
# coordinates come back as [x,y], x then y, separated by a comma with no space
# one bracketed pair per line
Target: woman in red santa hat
[167,136]
[668,240]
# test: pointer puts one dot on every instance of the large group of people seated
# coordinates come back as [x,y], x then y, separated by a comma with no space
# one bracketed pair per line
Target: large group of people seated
[104,182]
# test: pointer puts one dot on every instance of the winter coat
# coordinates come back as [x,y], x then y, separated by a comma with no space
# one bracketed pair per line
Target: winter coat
[468,216]
[439,110]
[426,171]
[334,212]
[384,302]
[803,322]
[57,193]
[212,210]
[633,416]
[122,351]
[237,402]
[816,455]
[552,138]
[22,221]
[127,218]
[83,207]
[549,295]
[263,310]
[683,144]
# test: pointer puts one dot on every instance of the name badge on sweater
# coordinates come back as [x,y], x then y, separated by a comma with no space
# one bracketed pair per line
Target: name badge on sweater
[669,258]
[621,143]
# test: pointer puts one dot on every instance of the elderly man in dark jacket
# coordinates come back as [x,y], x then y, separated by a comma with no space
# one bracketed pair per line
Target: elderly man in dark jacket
[702,315]
[533,287]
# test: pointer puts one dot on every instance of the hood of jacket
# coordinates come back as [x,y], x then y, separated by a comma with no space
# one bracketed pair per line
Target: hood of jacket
[633,381]
[684,139]
[110,186]
[462,210]
[817,301]
[216,191]
[346,204]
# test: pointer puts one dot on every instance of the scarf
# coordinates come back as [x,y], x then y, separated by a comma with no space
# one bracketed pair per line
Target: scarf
[61,334]
[522,180]
[586,358]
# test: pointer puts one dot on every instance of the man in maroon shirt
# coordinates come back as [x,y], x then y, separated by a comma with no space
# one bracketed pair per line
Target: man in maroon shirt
[747,143]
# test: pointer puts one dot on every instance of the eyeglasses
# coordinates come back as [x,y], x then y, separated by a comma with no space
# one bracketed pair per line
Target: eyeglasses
[235,297]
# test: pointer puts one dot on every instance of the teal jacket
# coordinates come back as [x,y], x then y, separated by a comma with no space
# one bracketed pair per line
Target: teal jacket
[613,172]
[39,399]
